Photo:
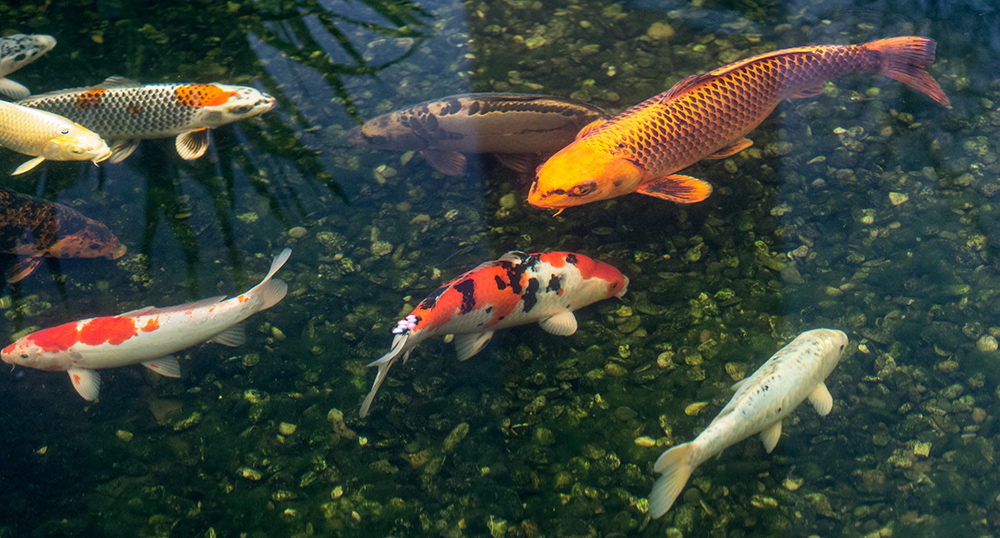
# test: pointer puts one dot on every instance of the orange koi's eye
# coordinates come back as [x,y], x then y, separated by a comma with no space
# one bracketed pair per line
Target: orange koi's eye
[583,189]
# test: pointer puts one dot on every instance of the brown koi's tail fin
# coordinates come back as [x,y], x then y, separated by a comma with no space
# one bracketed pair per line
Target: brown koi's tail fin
[903,59]
[675,464]
[384,363]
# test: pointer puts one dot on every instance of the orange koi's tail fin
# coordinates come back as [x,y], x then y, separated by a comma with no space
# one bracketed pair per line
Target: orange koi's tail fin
[903,59]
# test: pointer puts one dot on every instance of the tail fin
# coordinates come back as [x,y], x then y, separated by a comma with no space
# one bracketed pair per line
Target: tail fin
[273,290]
[384,363]
[903,59]
[675,464]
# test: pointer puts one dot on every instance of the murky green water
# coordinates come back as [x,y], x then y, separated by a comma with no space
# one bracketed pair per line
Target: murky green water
[868,209]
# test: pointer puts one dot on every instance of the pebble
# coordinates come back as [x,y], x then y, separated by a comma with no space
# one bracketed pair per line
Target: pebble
[986,343]
[896,198]
[695,408]
[297,232]
[286,428]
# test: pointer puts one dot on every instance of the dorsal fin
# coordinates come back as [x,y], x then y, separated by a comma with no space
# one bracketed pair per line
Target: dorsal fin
[691,81]
[116,81]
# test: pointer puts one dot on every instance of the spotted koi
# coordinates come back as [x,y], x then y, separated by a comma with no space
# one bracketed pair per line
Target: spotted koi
[147,336]
[124,111]
[17,51]
[515,289]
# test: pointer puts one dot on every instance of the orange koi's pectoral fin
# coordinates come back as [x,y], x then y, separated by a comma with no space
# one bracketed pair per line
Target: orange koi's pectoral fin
[811,91]
[590,127]
[120,149]
[729,151]
[677,188]
[903,59]
[449,163]
[22,268]
[521,163]
[166,366]
[192,144]
[86,382]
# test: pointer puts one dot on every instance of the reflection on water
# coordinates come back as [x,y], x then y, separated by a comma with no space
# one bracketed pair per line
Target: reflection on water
[868,208]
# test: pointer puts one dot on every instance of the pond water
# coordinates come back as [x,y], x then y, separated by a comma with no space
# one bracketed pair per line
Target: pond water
[868,209]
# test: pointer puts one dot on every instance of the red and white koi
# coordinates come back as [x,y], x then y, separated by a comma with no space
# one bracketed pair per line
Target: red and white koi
[514,290]
[146,336]
[793,374]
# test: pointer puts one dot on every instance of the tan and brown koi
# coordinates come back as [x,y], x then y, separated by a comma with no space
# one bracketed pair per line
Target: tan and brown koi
[518,128]
[124,111]
[708,116]
[35,228]
[514,290]
[147,336]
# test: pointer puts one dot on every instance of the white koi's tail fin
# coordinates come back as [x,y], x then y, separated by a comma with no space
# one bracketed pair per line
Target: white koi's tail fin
[384,363]
[675,464]
[273,291]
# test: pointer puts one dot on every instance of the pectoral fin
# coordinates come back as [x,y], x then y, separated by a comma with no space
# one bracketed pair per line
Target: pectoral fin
[467,345]
[86,382]
[449,163]
[13,90]
[166,366]
[677,188]
[811,91]
[192,144]
[120,149]
[561,324]
[233,336]
[22,268]
[733,149]
[28,165]
[770,436]
[821,399]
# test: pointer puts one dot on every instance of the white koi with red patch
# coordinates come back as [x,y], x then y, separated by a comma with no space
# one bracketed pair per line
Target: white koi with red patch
[514,290]
[146,336]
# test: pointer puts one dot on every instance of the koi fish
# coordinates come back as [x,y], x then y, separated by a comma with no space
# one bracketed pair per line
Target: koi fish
[17,51]
[124,111]
[516,127]
[147,336]
[36,228]
[45,135]
[708,117]
[793,374]
[514,290]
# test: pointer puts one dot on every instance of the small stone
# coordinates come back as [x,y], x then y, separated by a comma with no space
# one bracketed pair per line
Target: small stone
[896,198]
[126,435]
[297,232]
[978,415]
[508,200]
[286,429]
[921,448]
[645,441]
[695,408]
[986,343]
[660,30]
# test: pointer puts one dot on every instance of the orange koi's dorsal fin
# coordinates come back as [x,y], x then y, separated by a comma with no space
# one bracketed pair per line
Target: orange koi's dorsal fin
[201,95]
[690,82]
[811,91]
[677,188]
[733,149]
[903,59]
[587,129]
[116,81]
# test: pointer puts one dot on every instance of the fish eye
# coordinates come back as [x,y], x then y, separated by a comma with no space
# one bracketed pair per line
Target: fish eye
[376,140]
[583,189]
[64,132]
[24,355]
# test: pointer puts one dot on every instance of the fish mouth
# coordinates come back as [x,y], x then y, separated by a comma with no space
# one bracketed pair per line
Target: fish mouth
[102,156]
[118,253]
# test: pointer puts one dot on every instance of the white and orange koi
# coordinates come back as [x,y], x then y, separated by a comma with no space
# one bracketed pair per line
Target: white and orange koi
[514,290]
[147,336]
[124,111]
[795,373]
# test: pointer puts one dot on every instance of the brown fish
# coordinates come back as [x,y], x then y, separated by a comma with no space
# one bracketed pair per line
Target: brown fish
[517,127]
[35,228]
[708,116]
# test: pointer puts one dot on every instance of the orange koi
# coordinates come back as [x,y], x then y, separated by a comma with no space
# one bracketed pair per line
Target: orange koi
[708,116]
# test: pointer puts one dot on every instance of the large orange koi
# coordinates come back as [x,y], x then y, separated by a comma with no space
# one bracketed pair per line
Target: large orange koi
[708,116]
